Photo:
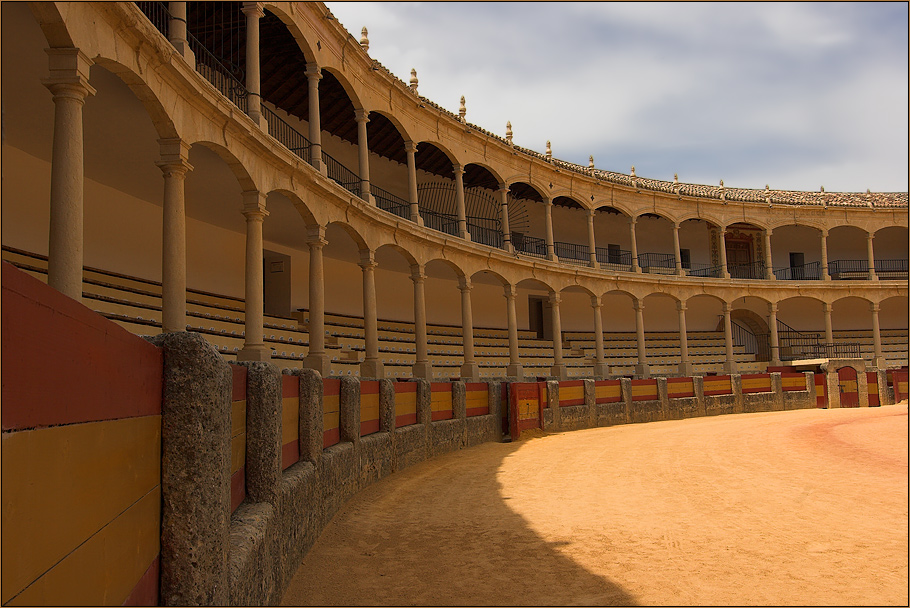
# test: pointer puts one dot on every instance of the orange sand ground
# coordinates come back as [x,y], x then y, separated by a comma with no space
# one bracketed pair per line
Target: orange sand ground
[801,507]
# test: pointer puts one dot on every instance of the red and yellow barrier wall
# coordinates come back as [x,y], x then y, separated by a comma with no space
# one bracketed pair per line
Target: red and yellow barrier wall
[331,411]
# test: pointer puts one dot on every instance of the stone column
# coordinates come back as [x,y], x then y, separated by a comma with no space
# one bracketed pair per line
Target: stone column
[316,357]
[601,369]
[68,82]
[253,12]
[772,326]
[459,202]
[177,31]
[642,370]
[769,261]
[372,366]
[635,266]
[410,149]
[730,364]
[422,367]
[870,252]
[685,367]
[722,247]
[829,330]
[592,243]
[551,248]
[824,269]
[469,369]
[254,348]
[559,368]
[506,231]
[515,368]
[878,357]
[676,252]
[313,75]
[363,149]
[174,165]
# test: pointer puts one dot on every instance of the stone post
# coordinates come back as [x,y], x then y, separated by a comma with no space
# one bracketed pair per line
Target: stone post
[311,431]
[592,243]
[722,248]
[676,252]
[410,149]
[730,362]
[772,326]
[459,202]
[515,369]
[263,432]
[177,31]
[174,165]
[363,149]
[642,370]
[551,247]
[504,211]
[824,239]
[635,266]
[422,367]
[769,260]
[829,330]
[685,367]
[601,369]
[870,254]
[372,366]
[253,12]
[559,368]
[313,75]
[316,357]
[254,348]
[469,368]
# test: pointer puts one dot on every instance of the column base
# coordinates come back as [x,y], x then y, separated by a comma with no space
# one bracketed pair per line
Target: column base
[559,371]
[260,121]
[515,370]
[423,370]
[686,369]
[417,220]
[254,352]
[465,235]
[879,363]
[601,370]
[730,367]
[642,370]
[372,368]
[319,362]
[470,371]
[183,49]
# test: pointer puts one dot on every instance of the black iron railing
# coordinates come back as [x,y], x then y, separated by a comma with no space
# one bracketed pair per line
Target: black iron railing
[158,14]
[838,350]
[387,201]
[619,257]
[341,175]
[530,245]
[571,251]
[756,344]
[656,260]
[848,269]
[440,221]
[481,233]
[755,270]
[898,267]
[218,74]
[806,272]
[705,270]
[291,138]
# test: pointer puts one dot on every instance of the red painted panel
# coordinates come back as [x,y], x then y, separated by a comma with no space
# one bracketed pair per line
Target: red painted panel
[821,391]
[369,426]
[872,383]
[524,391]
[290,453]
[792,375]
[405,387]
[406,420]
[727,390]
[440,387]
[369,387]
[331,386]
[330,437]
[616,399]
[290,386]
[238,377]
[476,386]
[442,415]
[100,370]
[899,378]
[849,393]
[651,395]
[145,593]
[238,488]
[746,389]
[477,411]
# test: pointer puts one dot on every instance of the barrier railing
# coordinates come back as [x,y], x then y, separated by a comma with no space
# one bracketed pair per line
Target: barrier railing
[387,201]
[571,251]
[705,270]
[485,235]
[755,270]
[892,269]
[218,74]
[440,221]
[531,245]
[656,260]
[806,272]
[838,350]
[341,175]
[158,14]
[613,256]
[290,138]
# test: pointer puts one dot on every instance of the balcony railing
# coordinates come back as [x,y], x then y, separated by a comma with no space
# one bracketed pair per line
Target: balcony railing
[341,175]
[387,201]
[291,138]
[440,221]
[838,350]
[806,272]
[530,245]
[705,271]
[485,235]
[859,269]
[755,270]
[158,14]
[213,70]
[571,251]
[614,257]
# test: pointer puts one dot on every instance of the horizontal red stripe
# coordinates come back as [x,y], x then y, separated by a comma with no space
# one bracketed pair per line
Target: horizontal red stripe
[718,392]
[369,387]
[753,376]
[440,387]
[477,411]
[645,382]
[145,593]
[678,380]
[238,382]
[405,387]
[530,423]
[64,363]
[290,453]
[238,488]
[330,438]
[331,387]
[290,386]
[615,382]
[405,420]
[568,402]
[442,415]
[369,426]
[476,386]
[571,383]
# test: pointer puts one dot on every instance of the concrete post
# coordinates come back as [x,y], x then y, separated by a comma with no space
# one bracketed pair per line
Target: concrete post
[730,362]
[410,149]
[601,369]
[676,252]
[878,356]
[515,369]
[772,326]
[363,149]
[68,82]
[470,371]
[685,367]
[559,368]
[635,266]
[824,239]
[592,243]
[174,166]
[422,367]
[642,370]
[372,366]
[254,348]
[504,211]
[316,357]
[551,247]
[253,12]
[177,31]
[769,260]
[313,75]
[459,202]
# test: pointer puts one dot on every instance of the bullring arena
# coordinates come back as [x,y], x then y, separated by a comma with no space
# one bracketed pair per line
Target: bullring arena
[270,314]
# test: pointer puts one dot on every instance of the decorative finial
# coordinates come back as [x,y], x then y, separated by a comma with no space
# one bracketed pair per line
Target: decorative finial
[676,178]
[462,110]
[868,191]
[591,162]
[633,171]
[721,183]
[822,189]
[767,187]
[414,80]
[364,41]
[509,131]
[549,151]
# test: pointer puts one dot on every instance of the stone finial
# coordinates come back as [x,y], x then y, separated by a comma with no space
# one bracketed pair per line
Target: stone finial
[721,183]
[414,80]
[633,171]
[509,131]
[462,110]
[822,189]
[767,186]
[364,40]
[676,178]
[868,191]
[549,151]
[591,162]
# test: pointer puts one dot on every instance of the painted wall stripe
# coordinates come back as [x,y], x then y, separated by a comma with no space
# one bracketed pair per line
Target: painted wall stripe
[290,429]
[571,392]
[607,391]
[238,487]
[441,400]
[369,407]
[718,385]
[680,388]
[793,382]
[756,383]
[644,390]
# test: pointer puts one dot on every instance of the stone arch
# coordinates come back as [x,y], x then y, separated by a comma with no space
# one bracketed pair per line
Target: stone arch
[161,120]
[236,166]
[290,23]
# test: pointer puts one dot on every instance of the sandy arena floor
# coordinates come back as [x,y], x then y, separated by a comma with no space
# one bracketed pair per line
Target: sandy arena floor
[805,507]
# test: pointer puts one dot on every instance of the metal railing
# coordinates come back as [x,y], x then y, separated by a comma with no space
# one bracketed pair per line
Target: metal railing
[485,235]
[341,175]
[387,201]
[291,138]
[806,272]
[838,350]
[756,344]
[755,270]
[619,257]
[530,245]
[705,270]
[656,260]
[158,14]
[213,70]
[897,267]
[571,251]
[440,221]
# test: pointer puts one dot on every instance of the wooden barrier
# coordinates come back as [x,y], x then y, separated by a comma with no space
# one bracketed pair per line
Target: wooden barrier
[718,385]
[792,381]
[872,384]
[290,420]
[331,411]
[756,383]
[525,407]
[607,391]
[644,390]
[821,391]
[900,385]
[405,403]
[678,388]
[238,436]
[571,392]
[441,400]
[369,407]
[477,399]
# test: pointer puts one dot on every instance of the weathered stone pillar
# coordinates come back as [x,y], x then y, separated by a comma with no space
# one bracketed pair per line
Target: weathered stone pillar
[316,357]
[870,254]
[685,367]
[459,202]
[469,369]
[551,247]
[559,368]
[253,12]
[635,266]
[515,369]
[177,31]
[410,149]
[769,261]
[642,370]
[313,75]
[372,366]
[772,326]
[730,363]
[68,82]
[676,253]
[263,432]
[254,348]
[174,165]
[506,231]
[829,329]
[722,247]
[878,357]
[824,269]
[363,149]
[422,367]
[601,369]
[592,243]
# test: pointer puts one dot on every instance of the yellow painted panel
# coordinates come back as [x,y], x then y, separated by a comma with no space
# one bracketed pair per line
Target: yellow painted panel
[849,386]
[607,391]
[441,402]
[405,403]
[238,452]
[476,399]
[793,383]
[718,385]
[680,388]
[63,484]
[369,407]
[238,417]
[571,392]
[330,412]
[103,570]
[528,409]
[290,419]
[644,390]
[757,383]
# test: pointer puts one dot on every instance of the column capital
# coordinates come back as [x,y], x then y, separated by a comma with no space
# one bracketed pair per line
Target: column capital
[458,169]
[875,306]
[870,236]
[638,304]
[728,308]
[465,284]
[596,302]
[69,73]
[315,236]
[633,220]
[824,232]
[591,213]
[254,205]
[175,154]
[368,259]
[828,307]
[503,188]
[417,273]
[511,292]
[362,115]
[548,202]
[312,71]
[772,307]
[554,297]
[410,147]
[681,306]
[253,8]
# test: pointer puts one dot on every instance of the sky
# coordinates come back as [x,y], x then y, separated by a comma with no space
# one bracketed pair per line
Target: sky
[797,96]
